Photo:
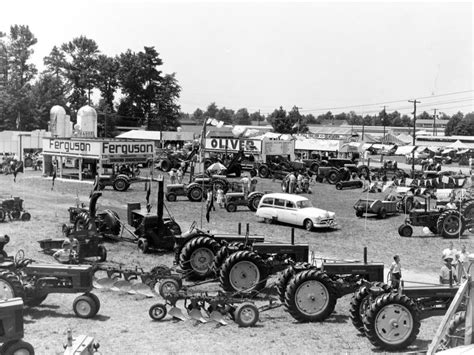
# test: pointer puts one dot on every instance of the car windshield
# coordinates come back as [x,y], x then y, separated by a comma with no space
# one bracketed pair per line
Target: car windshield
[304,204]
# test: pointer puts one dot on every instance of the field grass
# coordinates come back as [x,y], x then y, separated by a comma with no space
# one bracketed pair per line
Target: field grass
[123,325]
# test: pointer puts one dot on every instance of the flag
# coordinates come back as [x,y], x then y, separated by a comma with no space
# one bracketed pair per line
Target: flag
[220,124]
[445,179]
[214,122]
[95,186]
[209,121]
[148,192]
[210,205]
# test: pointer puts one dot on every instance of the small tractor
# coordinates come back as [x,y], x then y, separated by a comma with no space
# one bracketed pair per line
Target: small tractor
[195,249]
[449,223]
[196,190]
[234,199]
[152,231]
[379,207]
[13,209]
[173,160]
[390,319]
[33,282]
[106,222]
[309,292]
[335,170]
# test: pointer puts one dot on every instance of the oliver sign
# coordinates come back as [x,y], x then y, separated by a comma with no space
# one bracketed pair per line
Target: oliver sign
[233,145]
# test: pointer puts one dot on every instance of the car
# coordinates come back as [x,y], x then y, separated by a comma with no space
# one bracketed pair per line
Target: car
[294,209]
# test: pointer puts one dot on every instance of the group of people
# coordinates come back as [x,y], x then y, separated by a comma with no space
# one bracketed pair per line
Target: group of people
[453,270]
[295,182]
[176,175]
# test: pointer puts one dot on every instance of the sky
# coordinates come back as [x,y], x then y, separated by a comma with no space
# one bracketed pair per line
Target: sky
[319,56]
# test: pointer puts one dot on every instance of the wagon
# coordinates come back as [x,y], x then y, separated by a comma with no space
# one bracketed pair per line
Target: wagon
[381,208]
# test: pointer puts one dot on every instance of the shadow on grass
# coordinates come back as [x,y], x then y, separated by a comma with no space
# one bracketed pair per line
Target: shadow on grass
[40,312]
[419,346]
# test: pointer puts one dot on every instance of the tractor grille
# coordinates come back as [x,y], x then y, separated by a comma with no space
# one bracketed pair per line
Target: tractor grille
[19,321]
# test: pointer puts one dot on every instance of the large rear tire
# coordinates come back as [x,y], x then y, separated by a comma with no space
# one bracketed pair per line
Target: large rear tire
[165,165]
[450,224]
[243,272]
[263,171]
[254,201]
[455,335]
[283,281]
[310,296]
[18,347]
[392,322]
[197,256]
[195,194]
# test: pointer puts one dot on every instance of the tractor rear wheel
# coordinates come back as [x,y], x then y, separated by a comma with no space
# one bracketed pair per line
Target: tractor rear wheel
[165,165]
[223,253]
[360,302]
[467,210]
[10,285]
[333,176]
[283,281]
[246,314]
[254,201]
[195,194]
[197,256]
[220,184]
[243,272]
[405,230]
[85,307]
[17,347]
[364,171]
[310,296]
[2,215]
[450,224]
[392,322]
[455,335]
[82,221]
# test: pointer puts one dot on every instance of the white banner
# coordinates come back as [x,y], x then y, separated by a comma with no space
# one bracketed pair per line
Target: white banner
[233,145]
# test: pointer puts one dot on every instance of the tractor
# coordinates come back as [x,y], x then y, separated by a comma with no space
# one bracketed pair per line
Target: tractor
[196,189]
[173,160]
[335,170]
[449,223]
[11,328]
[234,199]
[152,231]
[195,249]
[106,222]
[22,277]
[13,209]
[232,166]
[390,319]
[278,167]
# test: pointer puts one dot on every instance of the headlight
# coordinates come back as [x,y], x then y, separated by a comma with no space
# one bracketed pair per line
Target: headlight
[318,219]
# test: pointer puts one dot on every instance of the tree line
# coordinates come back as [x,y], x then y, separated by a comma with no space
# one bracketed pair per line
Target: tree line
[135,92]
[73,71]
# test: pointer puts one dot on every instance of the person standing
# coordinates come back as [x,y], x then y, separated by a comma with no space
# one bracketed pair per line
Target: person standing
[253,183]
[463,262]
[450,251]
[292,183]
[172,176]
[470,165]
[245,185]
[180,175]
[220,197]
[447,272]
[395,273]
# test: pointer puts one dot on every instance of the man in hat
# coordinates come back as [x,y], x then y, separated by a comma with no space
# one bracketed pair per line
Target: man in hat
[447,272]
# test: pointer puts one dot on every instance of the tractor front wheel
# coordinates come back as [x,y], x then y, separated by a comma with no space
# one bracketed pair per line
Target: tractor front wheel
[392,322]
[143,245]
[310,296]
[405,230]
[25,217]
[195,194]
[85,307]
[120,184]
[10,285]
[171,197]
[263,171]
[333,176]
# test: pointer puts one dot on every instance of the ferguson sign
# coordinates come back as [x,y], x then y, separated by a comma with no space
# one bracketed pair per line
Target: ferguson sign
[96,148]
[233,145]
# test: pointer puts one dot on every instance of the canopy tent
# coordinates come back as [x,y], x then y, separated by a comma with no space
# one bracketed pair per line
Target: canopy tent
[326,145]
[404,150]
[406,138]
[390,138]
[348,148]
[449,150]
[458,145]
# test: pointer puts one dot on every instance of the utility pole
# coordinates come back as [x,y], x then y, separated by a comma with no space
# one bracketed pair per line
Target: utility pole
[414,137]
[299,117]
[434,123]
[383,121]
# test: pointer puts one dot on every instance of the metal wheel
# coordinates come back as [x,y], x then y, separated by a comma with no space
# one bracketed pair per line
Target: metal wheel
[244,275]
[25,217]
[201,259]
[246,314]
[171,197]
[243,271]
[168,287]
[158,311]
[405,230]
[195,194]
[308,225]
[450,224]
[231,207]
[120,184]
[143,245]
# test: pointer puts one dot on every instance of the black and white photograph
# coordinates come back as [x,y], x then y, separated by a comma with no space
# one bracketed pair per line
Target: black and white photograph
[236,177]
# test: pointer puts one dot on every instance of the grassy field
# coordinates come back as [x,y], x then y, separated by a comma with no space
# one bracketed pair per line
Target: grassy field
[123,325]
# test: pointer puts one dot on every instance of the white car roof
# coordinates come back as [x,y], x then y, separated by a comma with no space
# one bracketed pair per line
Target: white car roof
[289,197]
